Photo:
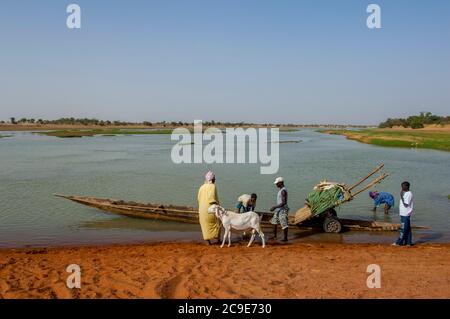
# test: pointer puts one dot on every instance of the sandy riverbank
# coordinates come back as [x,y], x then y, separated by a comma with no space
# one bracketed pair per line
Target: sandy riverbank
[191,270]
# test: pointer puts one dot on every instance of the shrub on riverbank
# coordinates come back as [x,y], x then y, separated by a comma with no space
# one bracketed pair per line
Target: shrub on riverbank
[416,121]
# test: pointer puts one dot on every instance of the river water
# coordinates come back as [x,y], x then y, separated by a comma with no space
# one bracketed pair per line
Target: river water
[139,168]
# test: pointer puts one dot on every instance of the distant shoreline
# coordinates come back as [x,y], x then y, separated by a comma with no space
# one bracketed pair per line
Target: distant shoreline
[80,130]
[52,127]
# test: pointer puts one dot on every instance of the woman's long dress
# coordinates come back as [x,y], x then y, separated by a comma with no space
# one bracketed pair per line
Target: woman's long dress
[207,196]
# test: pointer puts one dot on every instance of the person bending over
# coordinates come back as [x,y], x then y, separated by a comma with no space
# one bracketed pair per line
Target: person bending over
[382,198]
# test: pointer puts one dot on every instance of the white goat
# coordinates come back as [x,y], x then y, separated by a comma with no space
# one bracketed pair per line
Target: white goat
[249,220]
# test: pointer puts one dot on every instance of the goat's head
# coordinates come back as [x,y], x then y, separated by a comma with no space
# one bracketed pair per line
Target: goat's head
[217,210]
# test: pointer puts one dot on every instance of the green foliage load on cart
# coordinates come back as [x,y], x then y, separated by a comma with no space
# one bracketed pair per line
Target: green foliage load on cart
[322,199]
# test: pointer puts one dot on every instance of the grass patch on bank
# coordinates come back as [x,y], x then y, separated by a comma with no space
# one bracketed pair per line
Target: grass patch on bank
[438,140]
[288,129]
[105,132]
[286,142]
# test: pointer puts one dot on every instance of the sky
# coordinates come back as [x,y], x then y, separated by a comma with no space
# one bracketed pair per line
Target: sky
[256,61]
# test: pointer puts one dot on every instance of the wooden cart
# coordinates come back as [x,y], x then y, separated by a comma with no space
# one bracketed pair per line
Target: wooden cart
[328,217]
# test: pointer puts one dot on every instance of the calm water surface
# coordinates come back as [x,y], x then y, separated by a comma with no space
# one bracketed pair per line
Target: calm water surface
[139,168]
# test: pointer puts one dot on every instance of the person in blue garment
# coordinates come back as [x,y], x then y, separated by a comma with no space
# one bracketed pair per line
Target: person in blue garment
[246,203]
[382,198]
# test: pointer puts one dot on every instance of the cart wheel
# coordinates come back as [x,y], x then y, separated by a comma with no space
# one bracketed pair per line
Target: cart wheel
[332,225]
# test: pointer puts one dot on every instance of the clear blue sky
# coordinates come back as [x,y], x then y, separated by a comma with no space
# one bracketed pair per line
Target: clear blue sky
[249,60]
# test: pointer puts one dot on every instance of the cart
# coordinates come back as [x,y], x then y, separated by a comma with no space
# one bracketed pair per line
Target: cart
[326,197]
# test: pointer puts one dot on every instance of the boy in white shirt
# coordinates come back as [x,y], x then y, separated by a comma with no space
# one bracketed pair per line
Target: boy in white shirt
[406,208]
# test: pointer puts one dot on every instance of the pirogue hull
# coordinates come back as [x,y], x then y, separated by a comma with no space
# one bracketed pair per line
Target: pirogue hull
[186,214]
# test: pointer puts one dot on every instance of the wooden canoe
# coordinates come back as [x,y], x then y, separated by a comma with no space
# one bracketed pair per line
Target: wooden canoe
[186,214]
[174,213]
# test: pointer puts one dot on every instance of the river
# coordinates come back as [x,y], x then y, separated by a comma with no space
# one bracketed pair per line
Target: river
[139,167]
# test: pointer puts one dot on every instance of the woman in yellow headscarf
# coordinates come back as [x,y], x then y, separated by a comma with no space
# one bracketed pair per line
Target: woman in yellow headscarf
[207,196]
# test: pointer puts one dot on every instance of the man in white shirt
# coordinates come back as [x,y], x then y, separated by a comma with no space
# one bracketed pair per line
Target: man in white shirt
[406,208]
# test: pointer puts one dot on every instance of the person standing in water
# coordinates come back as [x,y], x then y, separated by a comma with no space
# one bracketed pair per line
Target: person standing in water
[406,207]
[282,210]
[207,196]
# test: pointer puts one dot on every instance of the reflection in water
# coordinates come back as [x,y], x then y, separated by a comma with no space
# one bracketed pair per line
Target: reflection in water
[381,216]
[138,224]
[428,238]
[191,231]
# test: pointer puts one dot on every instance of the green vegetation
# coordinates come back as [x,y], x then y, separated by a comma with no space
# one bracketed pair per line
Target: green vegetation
[97,122]
[74,121]
[439,140]
[88,123]
[435,138]
[416,121]
[287,129]
[284,142]
[105,132]
[448,196]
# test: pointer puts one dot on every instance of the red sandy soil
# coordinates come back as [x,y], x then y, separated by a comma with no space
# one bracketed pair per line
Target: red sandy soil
[194,270]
